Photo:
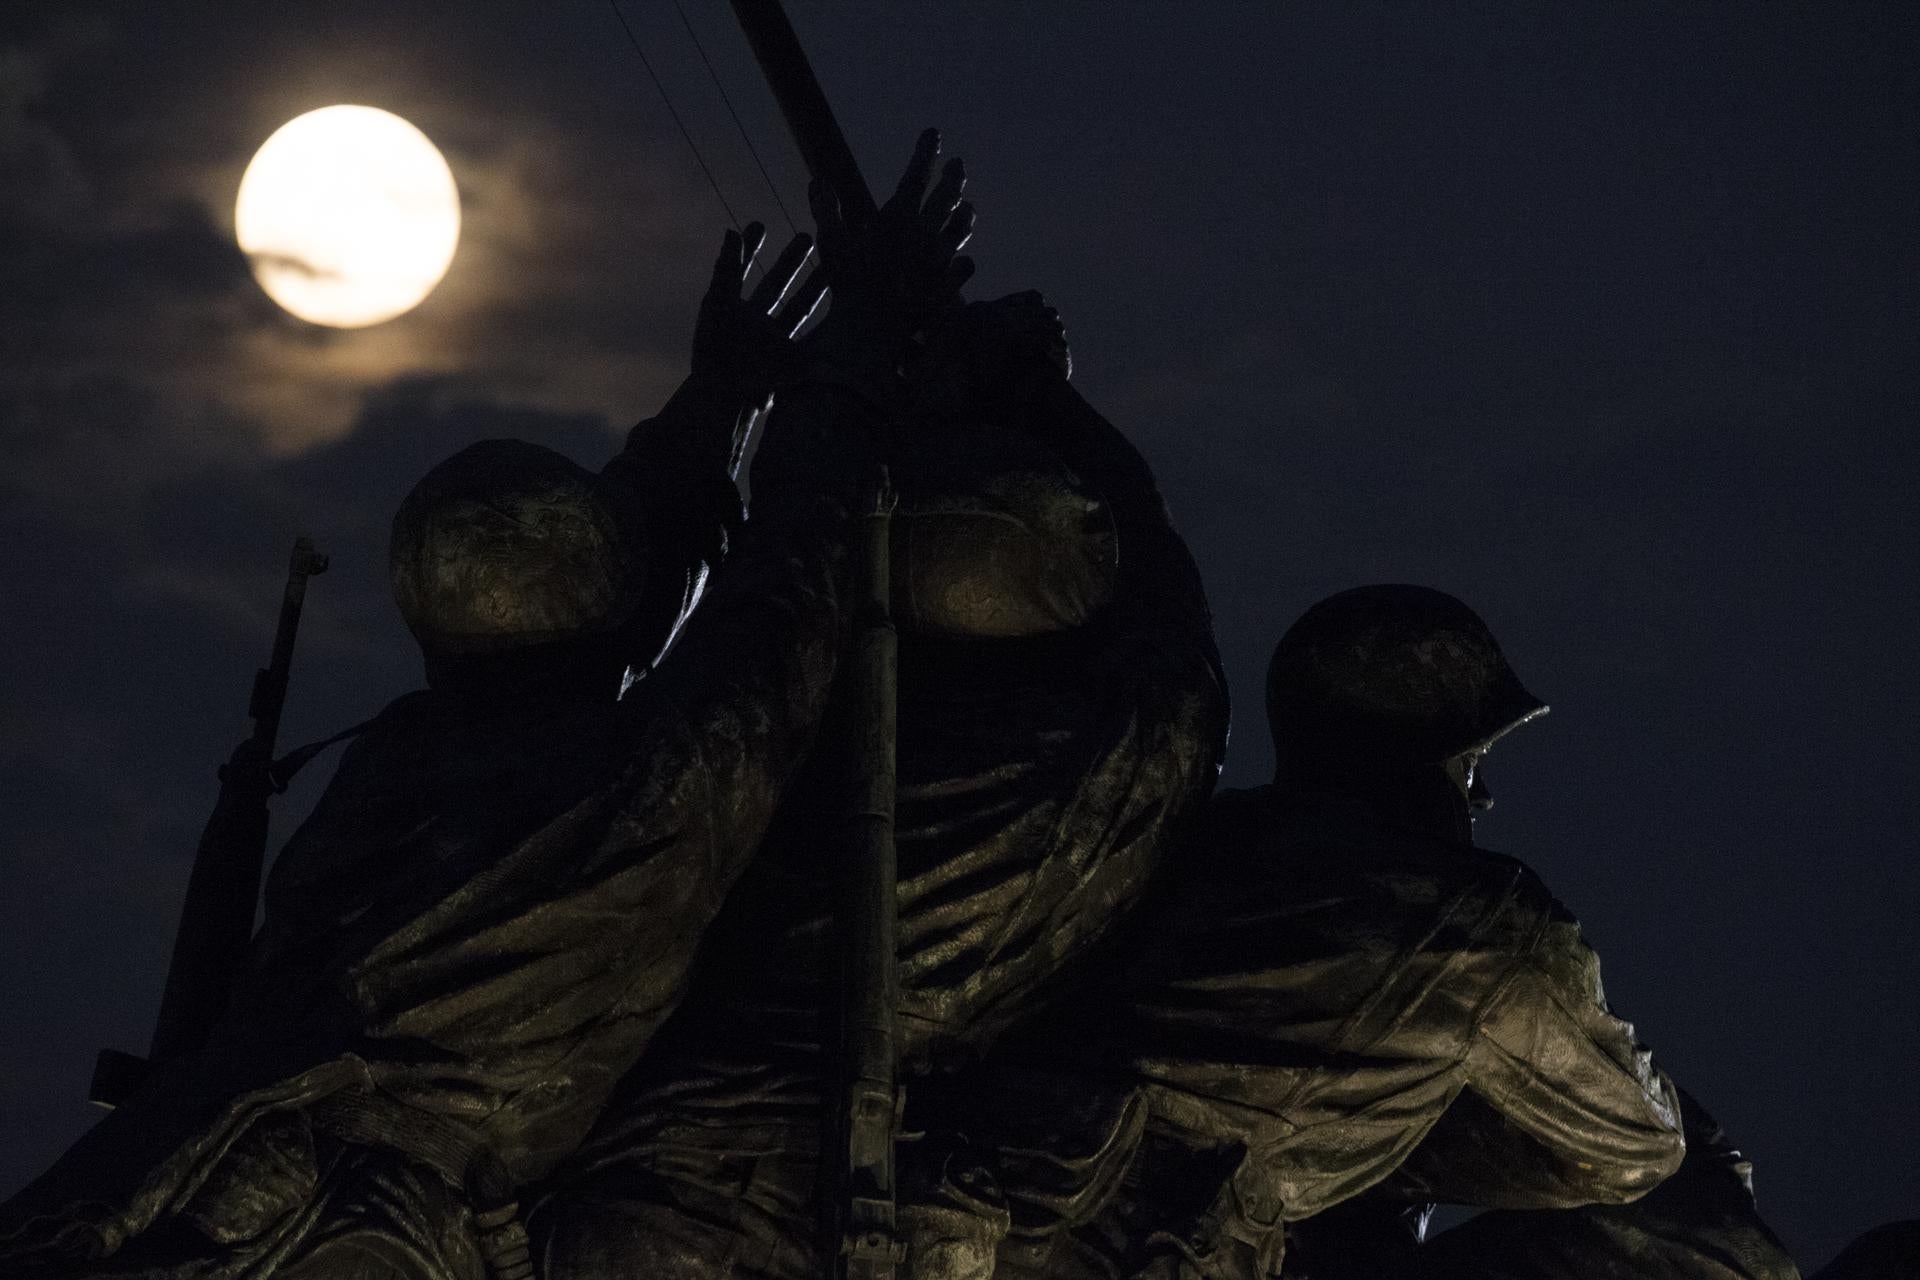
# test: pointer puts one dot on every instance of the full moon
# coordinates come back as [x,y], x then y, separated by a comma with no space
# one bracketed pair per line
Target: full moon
[348,215]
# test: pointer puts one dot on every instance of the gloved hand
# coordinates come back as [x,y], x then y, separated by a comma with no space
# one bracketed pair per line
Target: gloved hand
[893,274]
[744,347]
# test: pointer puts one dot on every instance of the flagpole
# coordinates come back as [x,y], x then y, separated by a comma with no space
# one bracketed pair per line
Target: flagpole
[804,106]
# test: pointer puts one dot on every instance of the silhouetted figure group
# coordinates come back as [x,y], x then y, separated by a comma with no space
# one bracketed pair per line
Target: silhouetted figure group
[544,986]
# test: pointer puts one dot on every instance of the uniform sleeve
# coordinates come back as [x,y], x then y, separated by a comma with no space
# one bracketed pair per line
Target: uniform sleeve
[680,464]
[1570,1109]
[1700,1224]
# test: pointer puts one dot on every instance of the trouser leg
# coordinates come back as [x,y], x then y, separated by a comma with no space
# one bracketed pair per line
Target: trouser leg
[683,1215]
[379,1216]
[687,1215]
[367,1214]
[952,1215]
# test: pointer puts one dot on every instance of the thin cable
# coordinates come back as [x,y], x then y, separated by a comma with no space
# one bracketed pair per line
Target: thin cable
[691,144]
[744,136]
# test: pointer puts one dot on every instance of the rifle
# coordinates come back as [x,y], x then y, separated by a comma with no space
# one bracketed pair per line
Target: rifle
[869,1100]
[216,919]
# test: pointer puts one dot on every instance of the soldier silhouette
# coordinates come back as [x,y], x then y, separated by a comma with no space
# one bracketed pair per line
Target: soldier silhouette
[1339,996]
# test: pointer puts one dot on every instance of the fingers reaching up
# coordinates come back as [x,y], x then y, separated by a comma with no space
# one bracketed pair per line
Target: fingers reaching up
[781,275]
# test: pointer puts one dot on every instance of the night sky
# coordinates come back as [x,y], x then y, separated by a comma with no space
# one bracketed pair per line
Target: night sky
[1601,318]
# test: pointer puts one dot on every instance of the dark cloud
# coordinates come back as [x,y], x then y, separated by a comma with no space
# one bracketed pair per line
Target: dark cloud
[39,178]
[80,284]
[293,264]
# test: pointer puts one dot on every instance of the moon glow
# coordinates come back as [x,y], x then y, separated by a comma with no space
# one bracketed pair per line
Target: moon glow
[349,216]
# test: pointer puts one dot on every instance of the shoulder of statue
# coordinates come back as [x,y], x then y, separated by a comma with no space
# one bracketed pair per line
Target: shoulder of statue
[1516,904]
[1525,885]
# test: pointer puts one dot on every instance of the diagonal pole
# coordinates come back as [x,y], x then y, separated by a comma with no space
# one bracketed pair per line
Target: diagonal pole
[867,1099]
[811,121]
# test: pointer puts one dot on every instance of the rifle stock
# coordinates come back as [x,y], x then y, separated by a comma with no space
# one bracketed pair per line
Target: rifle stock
[867,1106]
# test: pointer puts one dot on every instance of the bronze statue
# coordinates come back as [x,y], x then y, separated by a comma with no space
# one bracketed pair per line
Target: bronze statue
[495,904]
[1698,1224]
[560,933]
[1060,714]
[1340,997]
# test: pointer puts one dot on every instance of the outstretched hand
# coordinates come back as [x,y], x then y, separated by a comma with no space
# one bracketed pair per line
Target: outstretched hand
[746,344]
[898,270]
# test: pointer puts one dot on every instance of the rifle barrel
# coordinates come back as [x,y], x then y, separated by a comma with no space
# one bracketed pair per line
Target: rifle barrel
[270,689]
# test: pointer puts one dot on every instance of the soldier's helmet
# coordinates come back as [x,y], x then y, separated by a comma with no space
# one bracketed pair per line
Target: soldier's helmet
[508,545]
[996,537]
[1389,677]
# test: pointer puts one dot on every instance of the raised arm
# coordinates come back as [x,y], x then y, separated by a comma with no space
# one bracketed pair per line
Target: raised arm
[1564,1107]
[888,276]
[1699,1224]
[683,460]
